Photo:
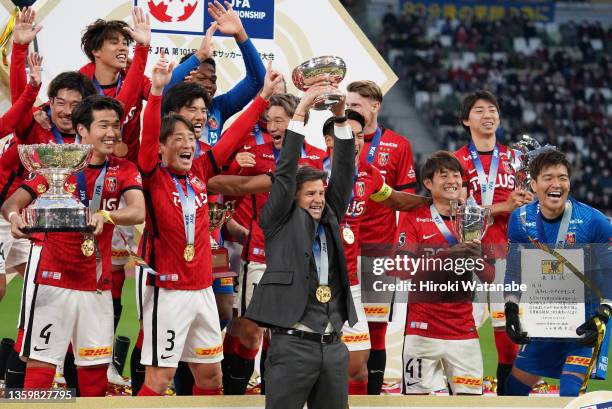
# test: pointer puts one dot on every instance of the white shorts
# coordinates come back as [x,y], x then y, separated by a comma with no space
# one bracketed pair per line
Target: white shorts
[180,325]
[60,316]
[357,338]
[120,253]
[425,360]
[253,271]
[496,301]
[27,289]
[378,305]
[13,252]
[141,284]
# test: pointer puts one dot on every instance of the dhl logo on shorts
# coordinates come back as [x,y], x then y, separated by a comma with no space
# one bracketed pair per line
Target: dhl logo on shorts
[227,281]
[352,339]
[578,360]
[95,353]
[468,381]
[498,315]
[214,351]
[376,310]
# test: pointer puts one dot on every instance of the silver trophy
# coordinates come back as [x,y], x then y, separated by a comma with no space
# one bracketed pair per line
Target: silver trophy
[525,151]
[56,209]
[470,221]
[330,68]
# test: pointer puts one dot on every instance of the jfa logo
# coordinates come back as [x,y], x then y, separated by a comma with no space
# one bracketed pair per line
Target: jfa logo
[175,16]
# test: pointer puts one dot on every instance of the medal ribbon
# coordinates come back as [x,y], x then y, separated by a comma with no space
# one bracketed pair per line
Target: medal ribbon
[374,145]
[212,135]
[258,135]
[198,150]
[563,227]
[94,204]
[487,186]
[320,253]
[448,235]
[101,91]
[188,207]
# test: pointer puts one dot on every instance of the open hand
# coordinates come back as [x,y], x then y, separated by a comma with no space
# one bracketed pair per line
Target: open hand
[25,30]
[207,45]
[271,81]
[228,20]
[162,72]
[35,63]
[141,33]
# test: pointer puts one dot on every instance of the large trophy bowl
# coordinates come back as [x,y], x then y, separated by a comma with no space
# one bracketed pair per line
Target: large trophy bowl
[217,215]
[330,68]
[470,221]
[55,210]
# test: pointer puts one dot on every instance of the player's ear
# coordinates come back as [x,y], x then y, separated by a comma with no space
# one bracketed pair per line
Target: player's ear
[533,184]
[428,183]
[82,130]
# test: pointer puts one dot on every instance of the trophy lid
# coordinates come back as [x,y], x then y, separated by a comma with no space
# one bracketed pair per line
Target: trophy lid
[316,69]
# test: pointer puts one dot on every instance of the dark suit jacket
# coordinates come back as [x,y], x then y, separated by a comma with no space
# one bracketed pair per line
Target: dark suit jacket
[282,293]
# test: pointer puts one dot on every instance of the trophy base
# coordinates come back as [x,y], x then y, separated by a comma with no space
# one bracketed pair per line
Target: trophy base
[220,263]
[64,215]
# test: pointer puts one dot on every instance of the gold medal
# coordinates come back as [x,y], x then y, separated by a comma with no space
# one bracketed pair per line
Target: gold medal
[120,149]
[347,235]
[189,252]
[323,293]
[87,247]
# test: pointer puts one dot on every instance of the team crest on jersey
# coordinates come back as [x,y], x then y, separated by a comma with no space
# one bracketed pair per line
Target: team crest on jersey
[110,184]
[197,183]
[383,158]
[360,188]
[401,240]
[570,239]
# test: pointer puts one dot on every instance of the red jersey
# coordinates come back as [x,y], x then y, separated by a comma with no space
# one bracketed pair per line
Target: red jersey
[369,181]
[250,208]
[393,157]
[166,239]
[504,186]
[416,230]
[135,87]
[62,263]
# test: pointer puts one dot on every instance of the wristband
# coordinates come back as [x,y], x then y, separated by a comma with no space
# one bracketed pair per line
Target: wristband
[340,119]
[107,216]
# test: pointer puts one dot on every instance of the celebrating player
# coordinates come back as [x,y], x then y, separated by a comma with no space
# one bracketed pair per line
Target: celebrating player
[440,329]
[556,221]
[71,300]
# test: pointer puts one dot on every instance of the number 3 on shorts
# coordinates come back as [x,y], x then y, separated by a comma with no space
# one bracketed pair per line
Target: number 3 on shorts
[170,340]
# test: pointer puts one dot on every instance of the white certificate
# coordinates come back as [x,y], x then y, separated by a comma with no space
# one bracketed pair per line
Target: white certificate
[553,305]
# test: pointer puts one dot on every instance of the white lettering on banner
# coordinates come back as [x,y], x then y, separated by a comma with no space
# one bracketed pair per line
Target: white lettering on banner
[258,15]
[241,3]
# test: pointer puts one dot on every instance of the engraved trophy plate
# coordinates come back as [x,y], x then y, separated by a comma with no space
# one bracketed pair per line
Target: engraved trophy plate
[330,68]
[470,221]
[217,215]
[55,210]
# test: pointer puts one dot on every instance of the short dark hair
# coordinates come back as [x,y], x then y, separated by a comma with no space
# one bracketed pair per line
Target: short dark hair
[308,174]
[546,159]
[470,100]
[206,61]
[83,112]
[182,94]
[328,126]
[288,102]
[438,162]
[71,80]
[101,30]
[167,125]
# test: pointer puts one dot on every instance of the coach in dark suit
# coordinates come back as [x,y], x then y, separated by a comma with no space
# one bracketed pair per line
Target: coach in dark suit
[304,295]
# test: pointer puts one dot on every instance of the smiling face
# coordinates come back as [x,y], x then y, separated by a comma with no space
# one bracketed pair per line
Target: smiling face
[103,133]
[179,148]
[311,197]
[357,133]
[365,106]
[483,119]
[114,51]
[61,109]
[278,121]
[206,77]
[444,186]
[196,113]
[552,188]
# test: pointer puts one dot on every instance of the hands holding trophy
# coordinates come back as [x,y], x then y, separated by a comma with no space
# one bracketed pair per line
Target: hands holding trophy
[321,71]
[470,221]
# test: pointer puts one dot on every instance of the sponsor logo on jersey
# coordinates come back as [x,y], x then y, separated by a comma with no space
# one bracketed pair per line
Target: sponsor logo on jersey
[418,325]
[376,310]
[468,381]
[578,360]
[360,188]
[576,221]
[389,144]
[95,353]
[401,240]
[214,351]
[570,239]
[383,158]
[110,184]
[352,339]
[423,220]
[53,275]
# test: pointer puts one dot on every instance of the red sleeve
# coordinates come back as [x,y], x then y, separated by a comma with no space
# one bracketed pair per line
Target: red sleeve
[459,155]
[378,180]
[149,145]
[131,91]
[19,110]
[10,158]
[130,177]
[36,186]
[405,178]
[233,137]
[18,77]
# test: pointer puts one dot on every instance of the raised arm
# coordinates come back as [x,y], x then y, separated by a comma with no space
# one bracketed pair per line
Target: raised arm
[234,185]
[24,33]
[149,147]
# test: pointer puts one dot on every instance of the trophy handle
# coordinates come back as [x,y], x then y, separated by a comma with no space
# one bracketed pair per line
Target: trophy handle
[454,209]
